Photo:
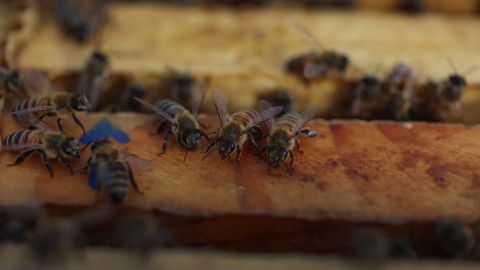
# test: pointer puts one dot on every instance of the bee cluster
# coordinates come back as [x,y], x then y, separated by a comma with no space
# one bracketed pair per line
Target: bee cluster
[273,130]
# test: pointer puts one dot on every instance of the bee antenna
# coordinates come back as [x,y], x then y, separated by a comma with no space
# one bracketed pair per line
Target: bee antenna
[471,70]
[452,65]
[207,154]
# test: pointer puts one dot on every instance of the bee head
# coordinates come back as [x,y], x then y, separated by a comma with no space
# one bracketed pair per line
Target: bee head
[370,85]
[189,138]
[455,85]
[277,155]
[224,147]
[97,63]
[342,62]
[70,147]
[80,103]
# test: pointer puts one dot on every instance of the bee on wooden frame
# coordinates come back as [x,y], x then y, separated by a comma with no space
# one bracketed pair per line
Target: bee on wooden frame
[31,111]
[314,65]
[47,143]
[283,134]
[107,166]
[399,87]
[235,129]
[178,121]
[93,77]
[441,101]
[367,97]
[454,239]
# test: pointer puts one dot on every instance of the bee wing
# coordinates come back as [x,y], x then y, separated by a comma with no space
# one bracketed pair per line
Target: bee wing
[92,177]
[102,131]
[23,147]
[314,70]
[198,96]
[35,109]
[137,163]
[157,110]
[306,116]
[36,83]
[264,105]
[265,116]
[221,101]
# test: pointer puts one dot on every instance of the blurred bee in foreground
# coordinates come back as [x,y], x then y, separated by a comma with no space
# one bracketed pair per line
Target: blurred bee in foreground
[48,144]
[180,122]
[279,97]
[314,65]
[46,100]
[283,134]
[454,239]
[77,23]
[143,234]
[236,128]
[58,240]
[93,77]
[441,101]
[377,246]
[107,167]
[367,98]
[399,87]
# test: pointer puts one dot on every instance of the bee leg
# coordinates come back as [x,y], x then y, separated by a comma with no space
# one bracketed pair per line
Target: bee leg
[65,162]
[210,145]
[165,142]
[59,124]
[47,164]
[205,135]
[161,127]
[22,157]
[37,121]
[77,121]
[254,143]
[297,143]
[132,179]
[239,153]
[292,158]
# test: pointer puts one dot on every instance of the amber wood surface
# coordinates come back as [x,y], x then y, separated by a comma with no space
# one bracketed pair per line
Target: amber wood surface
[358,171]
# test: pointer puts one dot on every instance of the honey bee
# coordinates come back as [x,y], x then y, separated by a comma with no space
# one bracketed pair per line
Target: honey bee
[75,21]
[375,245]
[367,96]
[93,77]
[313,65]
[236,128]
[399,87]
[107,167]
[454,239]
[279,97]
[283,134]
[441,101]
[33,110]
[48,144]
[180,122]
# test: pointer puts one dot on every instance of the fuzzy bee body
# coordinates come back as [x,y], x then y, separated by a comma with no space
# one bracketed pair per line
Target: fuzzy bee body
[367,98]
[313,65]
[399,88]
[179,121]
[236,128]
[108,169]
[49,144]
[58,105]
[283,134]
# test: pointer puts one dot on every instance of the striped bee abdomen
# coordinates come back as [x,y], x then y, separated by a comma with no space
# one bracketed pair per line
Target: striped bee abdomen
[245,116]
[114,177]
[17,139]
[31,103]
[170,107]
[289,119]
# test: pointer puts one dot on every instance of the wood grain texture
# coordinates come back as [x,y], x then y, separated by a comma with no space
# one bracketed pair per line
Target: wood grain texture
[357,171]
